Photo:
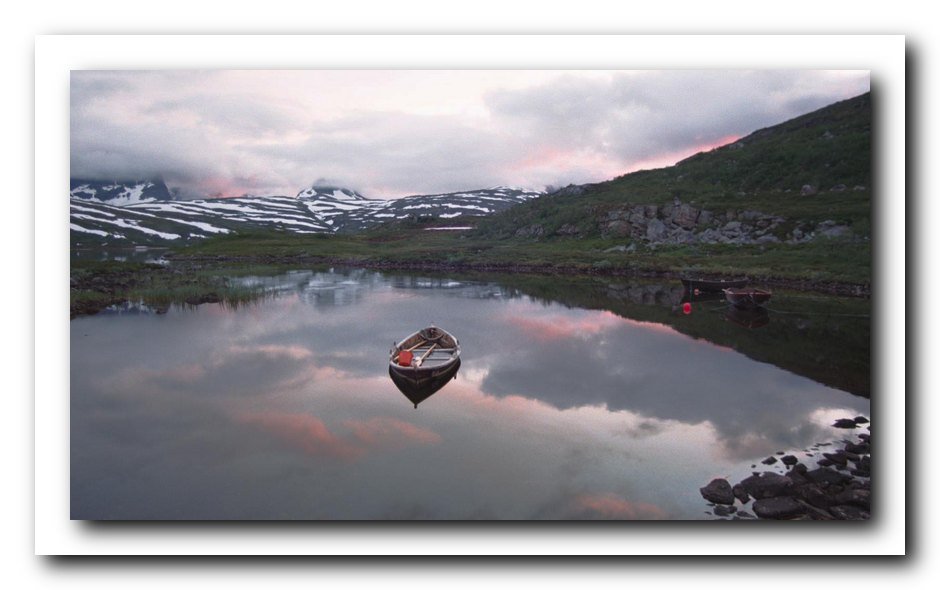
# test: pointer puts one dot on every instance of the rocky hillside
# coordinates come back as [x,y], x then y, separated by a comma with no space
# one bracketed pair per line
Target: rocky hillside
[804,179]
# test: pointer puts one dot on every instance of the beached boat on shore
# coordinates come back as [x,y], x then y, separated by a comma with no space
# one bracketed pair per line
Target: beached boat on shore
[711,285]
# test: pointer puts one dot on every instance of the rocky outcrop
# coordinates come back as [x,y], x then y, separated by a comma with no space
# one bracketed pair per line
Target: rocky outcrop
[530,231]
[680,223]
[839,489]
[572,190]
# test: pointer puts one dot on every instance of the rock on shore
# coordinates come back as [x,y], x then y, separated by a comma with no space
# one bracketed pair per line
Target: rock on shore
[838,489]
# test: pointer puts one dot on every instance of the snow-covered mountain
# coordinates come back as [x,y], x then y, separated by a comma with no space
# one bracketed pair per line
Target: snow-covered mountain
[119,192]
[319,209]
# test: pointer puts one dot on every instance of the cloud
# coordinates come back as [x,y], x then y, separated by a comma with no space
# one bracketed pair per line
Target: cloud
[640,116]
[391,133]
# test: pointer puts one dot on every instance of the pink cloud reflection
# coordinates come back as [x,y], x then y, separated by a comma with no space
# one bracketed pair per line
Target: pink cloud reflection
[303,432]
[558,327]
[310,435]
[612,506]
[385,432]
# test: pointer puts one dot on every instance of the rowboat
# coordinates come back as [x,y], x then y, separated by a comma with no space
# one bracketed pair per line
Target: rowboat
[747,298]
[711,286]
[424,362]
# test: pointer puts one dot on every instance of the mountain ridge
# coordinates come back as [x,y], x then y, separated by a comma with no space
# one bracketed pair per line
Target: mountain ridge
[318,209]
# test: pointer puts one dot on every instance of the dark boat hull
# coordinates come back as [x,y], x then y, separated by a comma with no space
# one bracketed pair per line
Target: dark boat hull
[712,286]
[700,297]
[747,298]
[420,384]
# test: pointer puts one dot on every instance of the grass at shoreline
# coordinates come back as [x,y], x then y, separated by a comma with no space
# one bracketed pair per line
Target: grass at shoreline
[96,285]
[201,273]
[823,260]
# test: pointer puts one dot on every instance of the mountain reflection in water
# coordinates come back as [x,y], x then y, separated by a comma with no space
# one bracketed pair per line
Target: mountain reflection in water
[586,399]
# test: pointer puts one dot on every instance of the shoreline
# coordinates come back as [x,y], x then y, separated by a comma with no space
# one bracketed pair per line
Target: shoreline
[843,289]
[93,290]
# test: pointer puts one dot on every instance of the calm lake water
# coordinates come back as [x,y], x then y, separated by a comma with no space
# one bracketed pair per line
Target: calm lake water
[576,399]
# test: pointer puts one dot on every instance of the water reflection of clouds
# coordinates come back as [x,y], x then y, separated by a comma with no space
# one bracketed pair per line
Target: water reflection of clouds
[612,507]
[281,411]
[655,372]
[224,371]
[310,435]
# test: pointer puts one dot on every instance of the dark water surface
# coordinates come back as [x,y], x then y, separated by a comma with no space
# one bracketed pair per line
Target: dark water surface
[576,399]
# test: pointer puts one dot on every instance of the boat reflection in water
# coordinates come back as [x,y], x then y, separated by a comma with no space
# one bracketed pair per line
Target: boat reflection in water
[701,296]
[423,363]
[756,317]
[747,298]
[419,389]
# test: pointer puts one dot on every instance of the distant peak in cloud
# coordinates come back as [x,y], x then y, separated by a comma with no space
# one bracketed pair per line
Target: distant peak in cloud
[322,188]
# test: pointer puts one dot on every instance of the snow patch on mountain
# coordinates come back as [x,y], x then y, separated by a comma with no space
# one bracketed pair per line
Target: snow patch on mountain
[119,193]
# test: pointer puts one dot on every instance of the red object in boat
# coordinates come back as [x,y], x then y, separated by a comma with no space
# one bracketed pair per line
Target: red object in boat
[405,357]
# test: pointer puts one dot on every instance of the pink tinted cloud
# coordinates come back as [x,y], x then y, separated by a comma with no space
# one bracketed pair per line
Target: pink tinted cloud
[614,506]
[670,158]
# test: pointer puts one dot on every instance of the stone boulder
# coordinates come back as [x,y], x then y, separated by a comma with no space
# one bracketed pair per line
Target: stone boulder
[718,491]
[782,507]
[530,231]
[825,476]
[846,512]
[767,485]
[655,230]
[808,190]
[617,228]
[710,236]
[685,216]
[740,493]
[858,497]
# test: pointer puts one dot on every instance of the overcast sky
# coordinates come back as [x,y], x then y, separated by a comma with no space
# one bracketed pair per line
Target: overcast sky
[391,133]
